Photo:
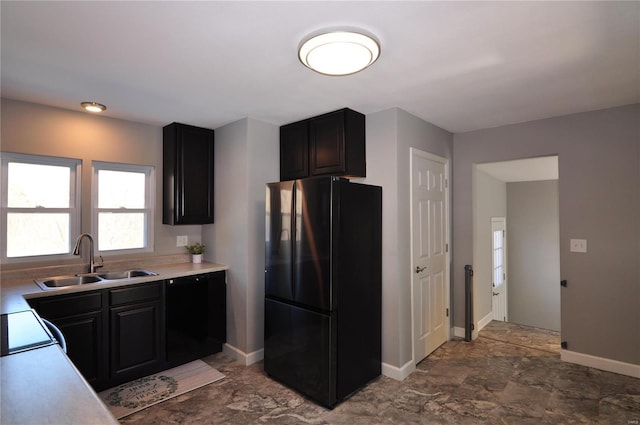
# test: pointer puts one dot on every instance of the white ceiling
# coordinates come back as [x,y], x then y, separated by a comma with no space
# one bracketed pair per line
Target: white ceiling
[458,65]
[523,170]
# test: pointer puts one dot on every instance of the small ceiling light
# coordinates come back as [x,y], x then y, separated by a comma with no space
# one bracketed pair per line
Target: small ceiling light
[339,53]
[93,106]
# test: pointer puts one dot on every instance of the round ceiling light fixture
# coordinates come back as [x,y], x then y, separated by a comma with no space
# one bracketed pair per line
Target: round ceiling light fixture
[93,106]
[339,52]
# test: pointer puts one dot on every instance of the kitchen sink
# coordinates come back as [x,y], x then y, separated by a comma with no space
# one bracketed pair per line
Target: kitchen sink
[83,279]
[126,274]
[62,281]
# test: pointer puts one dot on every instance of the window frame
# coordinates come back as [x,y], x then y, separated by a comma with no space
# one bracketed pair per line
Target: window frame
[149,208]
[74,210]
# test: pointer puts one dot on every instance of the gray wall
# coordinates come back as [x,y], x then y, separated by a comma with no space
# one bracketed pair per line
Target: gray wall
[390,134]
[490,200]
[599,200]
[533,244]
[42,130]
[247,157]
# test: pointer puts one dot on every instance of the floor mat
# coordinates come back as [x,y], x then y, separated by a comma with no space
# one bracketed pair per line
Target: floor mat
[136,395]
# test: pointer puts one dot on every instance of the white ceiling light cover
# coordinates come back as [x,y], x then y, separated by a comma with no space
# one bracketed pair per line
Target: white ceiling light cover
[339,53]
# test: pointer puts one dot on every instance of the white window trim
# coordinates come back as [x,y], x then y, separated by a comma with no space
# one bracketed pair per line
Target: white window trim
[149,208]
[75,178]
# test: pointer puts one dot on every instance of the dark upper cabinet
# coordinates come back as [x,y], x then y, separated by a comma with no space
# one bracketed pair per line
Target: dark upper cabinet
[294,150]
[329,144]
[187,174]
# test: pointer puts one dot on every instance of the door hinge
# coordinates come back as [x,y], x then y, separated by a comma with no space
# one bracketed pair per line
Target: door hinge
[446,183]
[503,234]
[563,283]
[446,247]
[564,344]
[447,312]
[504,276]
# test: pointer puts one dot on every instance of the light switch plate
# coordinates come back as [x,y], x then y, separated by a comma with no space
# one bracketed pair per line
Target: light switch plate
[578,245]
[182,240]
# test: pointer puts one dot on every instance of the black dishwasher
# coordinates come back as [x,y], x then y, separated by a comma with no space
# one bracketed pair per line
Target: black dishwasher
[195,316]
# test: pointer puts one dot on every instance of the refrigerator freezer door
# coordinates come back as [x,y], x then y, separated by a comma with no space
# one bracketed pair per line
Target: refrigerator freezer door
[299,350]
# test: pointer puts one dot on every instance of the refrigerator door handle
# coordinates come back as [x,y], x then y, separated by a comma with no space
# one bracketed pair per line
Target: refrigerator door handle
[293,236]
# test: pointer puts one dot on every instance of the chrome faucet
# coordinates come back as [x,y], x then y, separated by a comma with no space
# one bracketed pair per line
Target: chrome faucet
[76,251]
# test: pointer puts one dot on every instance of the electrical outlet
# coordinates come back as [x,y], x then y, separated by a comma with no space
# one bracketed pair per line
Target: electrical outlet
[578,245]
[182,240]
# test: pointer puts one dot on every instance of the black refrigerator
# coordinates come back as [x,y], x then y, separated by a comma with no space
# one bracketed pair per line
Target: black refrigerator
[323,286]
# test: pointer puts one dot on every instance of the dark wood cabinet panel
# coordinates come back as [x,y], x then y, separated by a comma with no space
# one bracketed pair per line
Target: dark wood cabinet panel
[86,348]
[81,319]
[188,174]
[136,339]
[294,150]
[326,141]
[329,144]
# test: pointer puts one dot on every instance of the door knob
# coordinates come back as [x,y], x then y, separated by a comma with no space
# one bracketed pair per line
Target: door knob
[420,269]
[495,293]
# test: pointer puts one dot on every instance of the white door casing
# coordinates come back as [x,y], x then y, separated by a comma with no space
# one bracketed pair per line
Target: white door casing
[429,252]
[499,269]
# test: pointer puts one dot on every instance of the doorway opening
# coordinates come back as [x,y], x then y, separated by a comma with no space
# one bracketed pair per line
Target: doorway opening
[518,200]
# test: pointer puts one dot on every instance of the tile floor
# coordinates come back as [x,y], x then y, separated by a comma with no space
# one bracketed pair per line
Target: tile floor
[510,375]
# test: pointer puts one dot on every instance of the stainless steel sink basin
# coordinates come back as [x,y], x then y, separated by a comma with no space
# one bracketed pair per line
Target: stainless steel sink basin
[62,281]
[126,274]
[82,279]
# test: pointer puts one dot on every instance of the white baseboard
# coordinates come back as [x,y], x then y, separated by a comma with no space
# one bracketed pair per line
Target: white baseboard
[485,321]
[398,373]
[601,363]
[242,357]
[458,332]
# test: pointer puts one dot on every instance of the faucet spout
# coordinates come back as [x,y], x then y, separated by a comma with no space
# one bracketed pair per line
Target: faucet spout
[76,251]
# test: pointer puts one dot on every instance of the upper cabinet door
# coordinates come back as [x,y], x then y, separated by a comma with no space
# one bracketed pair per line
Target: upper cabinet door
[188,174]
[337,144]
[332,144]
[294,150]
[326,141]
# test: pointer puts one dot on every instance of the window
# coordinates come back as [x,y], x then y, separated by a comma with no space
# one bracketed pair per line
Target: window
[498,257]
[40,205]
[123,206]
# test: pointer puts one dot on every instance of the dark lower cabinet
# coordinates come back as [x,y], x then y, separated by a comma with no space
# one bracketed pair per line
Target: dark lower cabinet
[136,331]
[82,320]
[120,334]
[85,344]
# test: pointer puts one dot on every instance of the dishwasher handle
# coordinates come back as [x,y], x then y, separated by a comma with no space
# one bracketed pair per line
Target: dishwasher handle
[186,280]
[57,334]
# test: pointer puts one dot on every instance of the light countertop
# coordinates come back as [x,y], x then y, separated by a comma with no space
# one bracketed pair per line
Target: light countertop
[42,386]
[15,291]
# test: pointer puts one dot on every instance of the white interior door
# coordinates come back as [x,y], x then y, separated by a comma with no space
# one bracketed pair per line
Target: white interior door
[429,243]
[499,269]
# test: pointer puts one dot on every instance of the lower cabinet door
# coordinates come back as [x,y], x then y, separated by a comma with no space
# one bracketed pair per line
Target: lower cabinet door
[136,340]
[85,344]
